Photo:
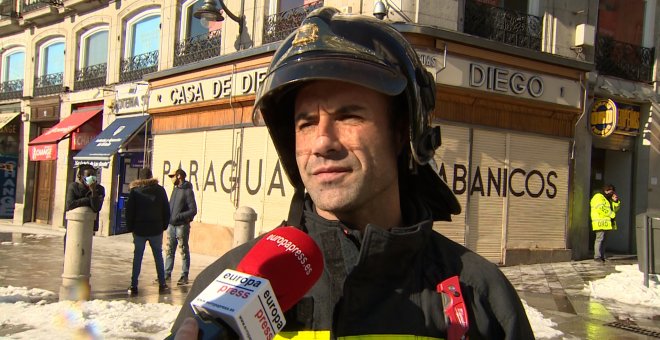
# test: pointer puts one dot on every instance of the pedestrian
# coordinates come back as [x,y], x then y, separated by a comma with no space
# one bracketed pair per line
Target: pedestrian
[604,205]
[85,191]
[347,104]
[147,216]
[182,211]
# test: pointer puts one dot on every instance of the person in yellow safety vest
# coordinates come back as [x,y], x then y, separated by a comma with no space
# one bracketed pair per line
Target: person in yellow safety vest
[604,205]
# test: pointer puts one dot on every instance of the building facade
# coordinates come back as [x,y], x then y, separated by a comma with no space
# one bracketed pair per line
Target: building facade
[520,93]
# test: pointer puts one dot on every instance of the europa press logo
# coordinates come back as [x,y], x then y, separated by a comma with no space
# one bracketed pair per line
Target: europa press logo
[604,116]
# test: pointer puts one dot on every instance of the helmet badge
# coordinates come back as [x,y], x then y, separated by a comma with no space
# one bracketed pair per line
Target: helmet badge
[307,33]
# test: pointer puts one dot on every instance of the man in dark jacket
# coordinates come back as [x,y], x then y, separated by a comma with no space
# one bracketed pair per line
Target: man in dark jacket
[85,191]
[147,216]
[347,104]
[182,211]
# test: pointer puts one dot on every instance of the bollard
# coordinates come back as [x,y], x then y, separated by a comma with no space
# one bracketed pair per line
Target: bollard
[244,218]
[78,254]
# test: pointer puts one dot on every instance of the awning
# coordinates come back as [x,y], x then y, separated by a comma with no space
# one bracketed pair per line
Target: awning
[5,118]
[65,127]
[44,147]
[100,150]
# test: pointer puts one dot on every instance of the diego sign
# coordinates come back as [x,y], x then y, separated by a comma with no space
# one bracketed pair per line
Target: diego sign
[603,117]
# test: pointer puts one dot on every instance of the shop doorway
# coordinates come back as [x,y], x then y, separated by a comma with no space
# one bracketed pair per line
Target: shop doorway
[44,191]
[615,167]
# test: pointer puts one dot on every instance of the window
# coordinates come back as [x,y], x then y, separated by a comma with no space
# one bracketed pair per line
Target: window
[142,46]
[13,64]
[144,33]
[191,26]
[51,57]
[94,47]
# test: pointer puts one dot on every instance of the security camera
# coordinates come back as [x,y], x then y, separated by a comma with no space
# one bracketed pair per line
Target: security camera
[380,10]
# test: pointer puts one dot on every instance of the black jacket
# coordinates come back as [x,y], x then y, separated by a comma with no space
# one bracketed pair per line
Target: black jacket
[147,210]
[78,195]
[385,283]
[182,204]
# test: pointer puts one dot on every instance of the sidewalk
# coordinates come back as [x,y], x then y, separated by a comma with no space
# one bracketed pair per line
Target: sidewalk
[554,289]
[112,259]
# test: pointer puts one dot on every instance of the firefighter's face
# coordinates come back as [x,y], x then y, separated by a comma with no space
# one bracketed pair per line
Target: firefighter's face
[346,150]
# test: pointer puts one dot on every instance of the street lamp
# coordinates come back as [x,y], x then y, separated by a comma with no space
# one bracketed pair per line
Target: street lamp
[208,12]
[380,10]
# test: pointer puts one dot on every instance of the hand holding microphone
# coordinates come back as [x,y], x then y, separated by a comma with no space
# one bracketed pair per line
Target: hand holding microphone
[249,302]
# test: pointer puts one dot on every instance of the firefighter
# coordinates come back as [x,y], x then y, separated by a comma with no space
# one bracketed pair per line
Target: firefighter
[347,104]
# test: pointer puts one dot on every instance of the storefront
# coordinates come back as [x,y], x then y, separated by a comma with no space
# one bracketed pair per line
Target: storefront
[120,150]
[202,123]
[59,141]
[507,131]
[9,145]
[507,124]
[621,158]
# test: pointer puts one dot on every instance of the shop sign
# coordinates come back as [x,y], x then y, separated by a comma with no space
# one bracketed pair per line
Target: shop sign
[80,139]
[603,117]
[628,121]
[131,98]
[220,87]
[458,71]
[43,152]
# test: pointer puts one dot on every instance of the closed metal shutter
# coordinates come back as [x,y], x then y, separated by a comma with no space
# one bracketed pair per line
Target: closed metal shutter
[453,154]
[485,208]
[538,199]
[267,190]
[229,169]
[516,193]
[182,150]
[221,176]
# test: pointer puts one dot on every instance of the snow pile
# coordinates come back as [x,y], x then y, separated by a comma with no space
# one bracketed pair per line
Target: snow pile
[21,294]
[26,314]
[626,288]
[543,328]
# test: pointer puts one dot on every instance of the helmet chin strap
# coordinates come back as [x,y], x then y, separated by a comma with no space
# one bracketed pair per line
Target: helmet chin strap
[296,208]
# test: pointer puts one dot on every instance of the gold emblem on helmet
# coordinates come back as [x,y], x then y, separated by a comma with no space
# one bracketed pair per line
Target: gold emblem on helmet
[306,34]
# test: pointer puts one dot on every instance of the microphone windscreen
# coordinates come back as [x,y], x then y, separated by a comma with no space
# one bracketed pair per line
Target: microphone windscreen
[289,259]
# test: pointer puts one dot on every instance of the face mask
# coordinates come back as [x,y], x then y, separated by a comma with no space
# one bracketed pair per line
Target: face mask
[90,180]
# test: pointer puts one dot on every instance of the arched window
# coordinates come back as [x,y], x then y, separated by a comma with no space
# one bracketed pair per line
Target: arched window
[94,49]
[142,46]
[93,59]
[143,33]
[191,26]
[50,69]
[12,73]
[51,57]
[13,64]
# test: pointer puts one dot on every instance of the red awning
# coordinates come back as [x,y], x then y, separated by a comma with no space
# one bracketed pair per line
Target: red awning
[66,126]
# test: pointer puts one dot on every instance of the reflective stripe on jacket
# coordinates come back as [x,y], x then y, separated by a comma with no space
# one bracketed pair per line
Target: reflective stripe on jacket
[603,212]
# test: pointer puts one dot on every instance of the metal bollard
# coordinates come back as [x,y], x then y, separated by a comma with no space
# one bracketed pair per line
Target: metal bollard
[244,218]
[78,254]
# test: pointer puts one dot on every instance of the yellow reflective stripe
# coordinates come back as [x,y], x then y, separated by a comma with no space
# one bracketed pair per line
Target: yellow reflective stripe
[325,335]
[303,335]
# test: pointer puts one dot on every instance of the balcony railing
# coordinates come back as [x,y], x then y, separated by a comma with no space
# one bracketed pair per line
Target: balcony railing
[197,48]
[499,24]
[279,26]
[11,89]
[32,5]
[48,84]
[623,60]
[90,77]
[133,68]
[8,10]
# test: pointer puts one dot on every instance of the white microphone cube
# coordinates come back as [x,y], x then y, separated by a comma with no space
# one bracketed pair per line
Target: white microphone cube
[244,302]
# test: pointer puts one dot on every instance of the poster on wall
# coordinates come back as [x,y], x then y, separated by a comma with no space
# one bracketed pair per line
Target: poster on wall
[8,170]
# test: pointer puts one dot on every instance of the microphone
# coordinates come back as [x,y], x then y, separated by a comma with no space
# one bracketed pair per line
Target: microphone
[250,302]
